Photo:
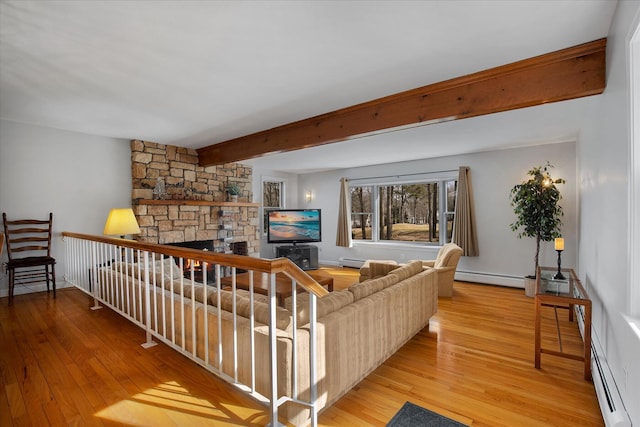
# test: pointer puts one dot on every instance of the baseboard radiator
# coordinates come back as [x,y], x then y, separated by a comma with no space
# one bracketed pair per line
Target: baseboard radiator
[351,262]
[611,404]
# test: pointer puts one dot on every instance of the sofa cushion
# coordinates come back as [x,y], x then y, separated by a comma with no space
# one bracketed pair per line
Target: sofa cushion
[325,305]
[410,269]
[261,312]
[192,288]
[165,267]
[371,286]
[243,308]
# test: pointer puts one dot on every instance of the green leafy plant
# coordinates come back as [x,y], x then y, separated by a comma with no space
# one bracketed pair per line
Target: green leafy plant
[536,205]
[233,189]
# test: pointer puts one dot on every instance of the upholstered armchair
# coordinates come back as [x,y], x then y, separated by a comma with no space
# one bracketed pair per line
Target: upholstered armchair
[445,263]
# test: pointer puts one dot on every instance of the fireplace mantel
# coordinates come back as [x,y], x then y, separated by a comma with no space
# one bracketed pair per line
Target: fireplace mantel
[197,203]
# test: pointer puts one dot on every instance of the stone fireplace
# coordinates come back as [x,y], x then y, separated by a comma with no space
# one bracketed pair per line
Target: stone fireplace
[176,200]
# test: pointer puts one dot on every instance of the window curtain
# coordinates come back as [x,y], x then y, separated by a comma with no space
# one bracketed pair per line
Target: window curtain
[343,235]
[464,223]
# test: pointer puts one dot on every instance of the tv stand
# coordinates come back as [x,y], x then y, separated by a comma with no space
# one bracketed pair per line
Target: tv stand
[304,256]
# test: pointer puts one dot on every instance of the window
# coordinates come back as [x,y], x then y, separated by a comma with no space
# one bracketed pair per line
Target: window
[452,192]
[404,211]
[361,212]
[272,198]
[272,194]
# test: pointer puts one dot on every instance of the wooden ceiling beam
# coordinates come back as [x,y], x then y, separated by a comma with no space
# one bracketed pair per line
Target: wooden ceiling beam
[558,76]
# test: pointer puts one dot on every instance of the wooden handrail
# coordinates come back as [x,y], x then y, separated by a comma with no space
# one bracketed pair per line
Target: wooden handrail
[278,265]
[304,280]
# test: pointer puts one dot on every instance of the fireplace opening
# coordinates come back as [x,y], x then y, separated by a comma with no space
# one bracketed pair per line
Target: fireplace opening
[195,244]
[198,271]
[197,265]
[237,248]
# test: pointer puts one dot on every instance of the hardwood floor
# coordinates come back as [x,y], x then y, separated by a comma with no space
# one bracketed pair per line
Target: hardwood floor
[64,364]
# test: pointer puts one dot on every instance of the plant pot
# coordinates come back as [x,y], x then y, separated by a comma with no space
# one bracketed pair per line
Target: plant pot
[233,198]
[530,286]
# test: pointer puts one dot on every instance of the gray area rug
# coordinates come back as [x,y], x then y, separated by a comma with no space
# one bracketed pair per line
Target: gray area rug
[411,415]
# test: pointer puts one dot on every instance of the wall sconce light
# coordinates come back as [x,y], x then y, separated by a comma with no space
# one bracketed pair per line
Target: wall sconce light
[308,196]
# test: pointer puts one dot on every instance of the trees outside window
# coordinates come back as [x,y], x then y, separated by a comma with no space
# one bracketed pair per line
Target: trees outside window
[452,192]
[272,194]
[404,212]
[272,198]
[361,212]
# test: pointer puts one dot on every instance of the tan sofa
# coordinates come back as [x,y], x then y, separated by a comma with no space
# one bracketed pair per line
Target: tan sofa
[445,265]
[358,328]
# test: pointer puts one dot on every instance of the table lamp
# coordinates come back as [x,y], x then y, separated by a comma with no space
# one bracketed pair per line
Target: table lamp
[120,222]
[559,245]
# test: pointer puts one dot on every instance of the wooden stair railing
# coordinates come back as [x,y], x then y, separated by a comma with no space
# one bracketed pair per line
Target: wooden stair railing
[134,309]
[278,265]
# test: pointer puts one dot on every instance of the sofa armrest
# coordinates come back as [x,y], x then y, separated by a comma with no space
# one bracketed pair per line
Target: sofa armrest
[376,268]
[444,269]
[430,263]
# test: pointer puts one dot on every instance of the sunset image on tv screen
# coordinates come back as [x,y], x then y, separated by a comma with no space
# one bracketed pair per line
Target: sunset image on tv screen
[294,225]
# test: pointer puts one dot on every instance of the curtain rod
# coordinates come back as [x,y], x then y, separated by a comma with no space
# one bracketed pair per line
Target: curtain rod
[406,174]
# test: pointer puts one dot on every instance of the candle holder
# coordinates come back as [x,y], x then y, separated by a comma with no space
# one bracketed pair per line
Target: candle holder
[559,275]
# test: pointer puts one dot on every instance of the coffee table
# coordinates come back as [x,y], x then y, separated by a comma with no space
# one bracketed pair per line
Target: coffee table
[283,284]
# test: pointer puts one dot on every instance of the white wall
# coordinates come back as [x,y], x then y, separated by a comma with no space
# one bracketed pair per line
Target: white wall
[78,177]
[504,259]
[603,158]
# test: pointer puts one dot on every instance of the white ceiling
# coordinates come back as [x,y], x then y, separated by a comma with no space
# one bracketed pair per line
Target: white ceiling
[194,73]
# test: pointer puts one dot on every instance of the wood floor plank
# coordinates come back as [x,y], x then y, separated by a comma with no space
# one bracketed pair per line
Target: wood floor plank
[67,364]
[17,405]
[32,381]
[5,409]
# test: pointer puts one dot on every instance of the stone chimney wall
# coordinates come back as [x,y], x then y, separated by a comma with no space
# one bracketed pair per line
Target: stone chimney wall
[176,200]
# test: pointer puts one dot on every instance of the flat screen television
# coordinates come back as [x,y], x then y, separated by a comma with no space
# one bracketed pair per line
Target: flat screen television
[294,226]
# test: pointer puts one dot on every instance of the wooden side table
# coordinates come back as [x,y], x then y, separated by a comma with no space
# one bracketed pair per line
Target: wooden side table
[565,294]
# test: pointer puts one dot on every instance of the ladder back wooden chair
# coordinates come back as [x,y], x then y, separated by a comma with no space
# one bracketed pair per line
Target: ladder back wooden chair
[29,252]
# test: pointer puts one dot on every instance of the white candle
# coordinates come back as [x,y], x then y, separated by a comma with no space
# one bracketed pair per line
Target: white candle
[559,244]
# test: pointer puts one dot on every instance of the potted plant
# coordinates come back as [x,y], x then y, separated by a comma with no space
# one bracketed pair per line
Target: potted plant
[233,189]
[538,213]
